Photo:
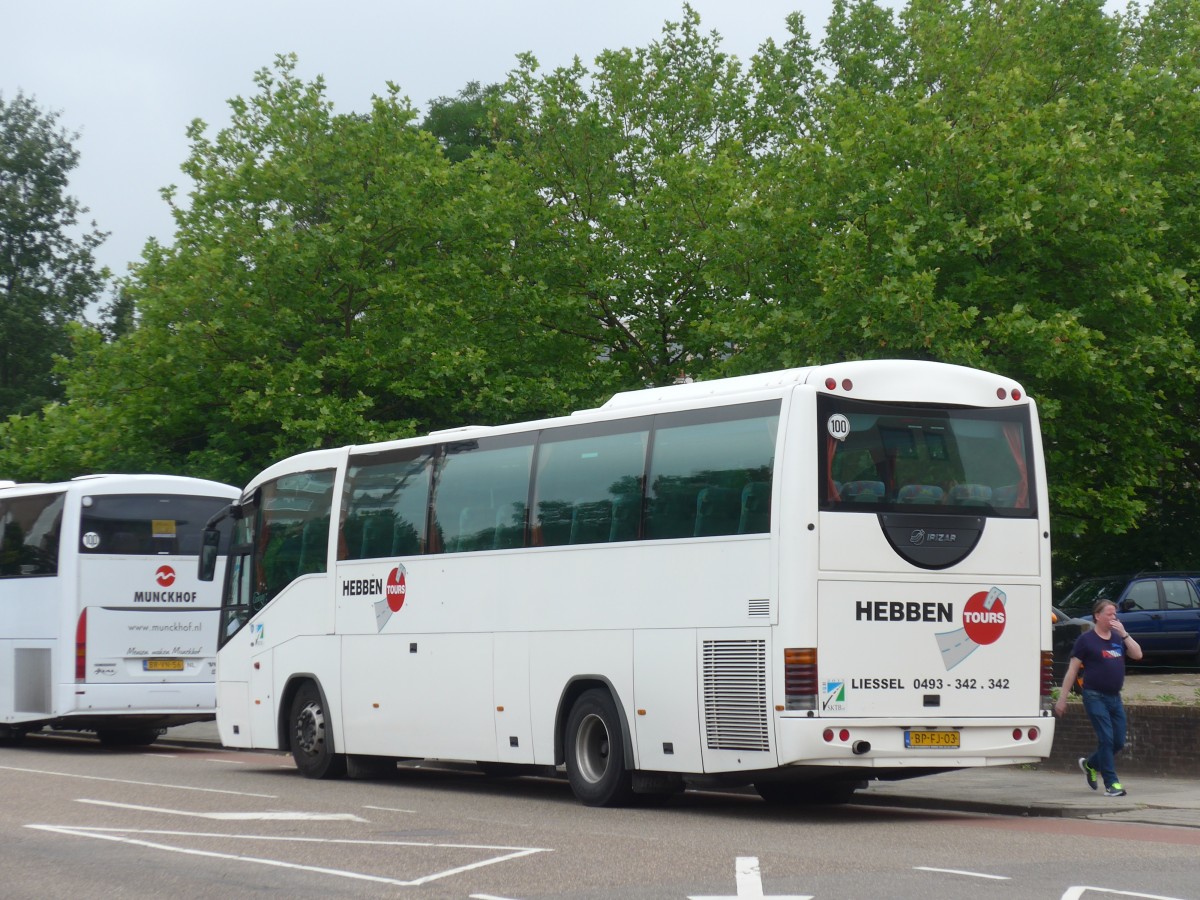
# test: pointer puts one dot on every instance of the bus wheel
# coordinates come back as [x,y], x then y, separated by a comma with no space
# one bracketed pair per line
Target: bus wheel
[11,737]
[312,743]
[596,752]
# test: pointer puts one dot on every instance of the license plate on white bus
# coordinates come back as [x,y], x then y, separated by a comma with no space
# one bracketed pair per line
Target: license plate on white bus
[934,740]
[162,665]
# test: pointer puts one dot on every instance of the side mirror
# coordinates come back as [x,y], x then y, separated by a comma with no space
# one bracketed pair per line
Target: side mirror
[210,549]
[1127,605]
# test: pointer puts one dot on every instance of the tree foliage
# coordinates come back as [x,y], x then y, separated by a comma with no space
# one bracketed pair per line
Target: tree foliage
[48,273]
[1009,184]
[333,279]
[975,191]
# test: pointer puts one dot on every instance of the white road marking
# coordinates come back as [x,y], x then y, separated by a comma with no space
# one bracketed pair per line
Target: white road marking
[962,872]
[114,834]
[487,897]
[236,816]
[1074,893]
[176,787]
[749,884]
[389,809]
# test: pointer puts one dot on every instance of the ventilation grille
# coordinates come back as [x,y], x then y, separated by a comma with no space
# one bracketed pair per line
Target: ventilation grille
[760,609]
[735,695]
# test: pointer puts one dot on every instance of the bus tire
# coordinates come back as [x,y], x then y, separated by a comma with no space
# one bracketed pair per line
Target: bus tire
[595,755]
[311,738]
[11,737]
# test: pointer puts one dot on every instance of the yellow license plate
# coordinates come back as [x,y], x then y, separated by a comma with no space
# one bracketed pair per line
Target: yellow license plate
[938,740]
[162,665]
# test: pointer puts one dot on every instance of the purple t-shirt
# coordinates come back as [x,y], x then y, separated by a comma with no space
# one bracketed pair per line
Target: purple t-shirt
[1103,662]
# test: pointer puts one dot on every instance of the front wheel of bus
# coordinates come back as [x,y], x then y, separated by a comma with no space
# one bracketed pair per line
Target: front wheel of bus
[312,742]
[596,752]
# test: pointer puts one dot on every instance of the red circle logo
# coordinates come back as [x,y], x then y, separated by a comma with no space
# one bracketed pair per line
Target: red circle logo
[165,576]
[395,590]
[983,625]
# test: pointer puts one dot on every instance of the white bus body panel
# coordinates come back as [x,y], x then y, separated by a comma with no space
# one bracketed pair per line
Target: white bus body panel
[854,542]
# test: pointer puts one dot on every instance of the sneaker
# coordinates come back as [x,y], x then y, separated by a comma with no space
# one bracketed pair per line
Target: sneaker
[1089,773]
[1115,790]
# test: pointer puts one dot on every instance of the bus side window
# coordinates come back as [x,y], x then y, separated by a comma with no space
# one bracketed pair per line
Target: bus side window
[582,474]
[30,529]
[386,507]
[480,494]
[711,472]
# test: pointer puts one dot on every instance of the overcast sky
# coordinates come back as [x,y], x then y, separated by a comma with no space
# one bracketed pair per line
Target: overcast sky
[129,75]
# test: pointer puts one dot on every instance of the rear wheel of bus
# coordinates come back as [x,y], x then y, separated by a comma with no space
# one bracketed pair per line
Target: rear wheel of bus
[311,738]
[595,755]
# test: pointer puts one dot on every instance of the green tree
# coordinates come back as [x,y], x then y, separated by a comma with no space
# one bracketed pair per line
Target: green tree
[48,273]
[462,124]
[333,279]
[972,191]
[633,168]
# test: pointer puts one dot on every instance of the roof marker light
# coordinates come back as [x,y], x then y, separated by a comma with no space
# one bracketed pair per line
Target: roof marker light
[1016,394]
[831,384]
[1001,393]
[847,384]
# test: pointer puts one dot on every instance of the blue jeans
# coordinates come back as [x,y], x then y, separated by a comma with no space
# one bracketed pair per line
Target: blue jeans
[1107,715]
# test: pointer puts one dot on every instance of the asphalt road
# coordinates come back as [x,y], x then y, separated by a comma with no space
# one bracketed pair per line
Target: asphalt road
[83,820]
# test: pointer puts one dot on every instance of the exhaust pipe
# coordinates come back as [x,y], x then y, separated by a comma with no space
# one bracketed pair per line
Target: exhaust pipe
[860,747]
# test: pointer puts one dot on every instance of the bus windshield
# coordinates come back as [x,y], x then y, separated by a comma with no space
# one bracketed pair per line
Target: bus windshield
[892,457]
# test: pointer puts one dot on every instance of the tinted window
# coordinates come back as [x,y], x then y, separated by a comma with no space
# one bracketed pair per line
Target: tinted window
[881,457]
[589,483]
[1179,594]
[1086,594]
[481,492]
[710,472]
[292,530]
[1142,595]
[145,524]
[29,534]
[387,505]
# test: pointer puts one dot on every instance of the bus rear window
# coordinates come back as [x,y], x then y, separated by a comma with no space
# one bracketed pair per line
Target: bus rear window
[145,524]
[889,457]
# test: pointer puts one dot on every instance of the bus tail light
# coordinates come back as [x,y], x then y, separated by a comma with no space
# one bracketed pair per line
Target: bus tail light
[800,678]
[81,647]
[1047,679]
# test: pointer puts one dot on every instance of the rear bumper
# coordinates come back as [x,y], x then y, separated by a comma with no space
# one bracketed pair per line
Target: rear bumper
[880,743]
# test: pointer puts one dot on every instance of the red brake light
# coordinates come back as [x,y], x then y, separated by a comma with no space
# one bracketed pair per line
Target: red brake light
[81,647]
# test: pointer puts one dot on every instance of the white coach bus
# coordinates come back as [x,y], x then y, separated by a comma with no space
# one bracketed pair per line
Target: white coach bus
[799,580]
[103,624]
